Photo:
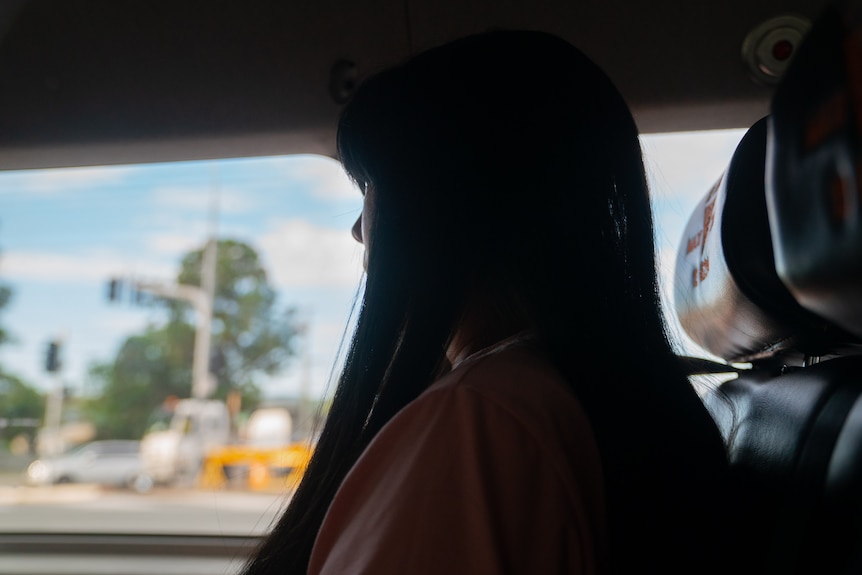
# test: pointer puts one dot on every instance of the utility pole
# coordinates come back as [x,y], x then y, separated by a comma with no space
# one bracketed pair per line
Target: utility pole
[203,382]
[201,298]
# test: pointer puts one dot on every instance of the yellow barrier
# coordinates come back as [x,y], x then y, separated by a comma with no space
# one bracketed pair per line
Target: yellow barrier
[255,468]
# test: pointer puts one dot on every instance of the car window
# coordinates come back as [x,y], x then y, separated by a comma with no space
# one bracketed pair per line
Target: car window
[681,168]
[102,265]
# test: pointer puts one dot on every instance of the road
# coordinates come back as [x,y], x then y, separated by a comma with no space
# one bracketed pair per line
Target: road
[91,509]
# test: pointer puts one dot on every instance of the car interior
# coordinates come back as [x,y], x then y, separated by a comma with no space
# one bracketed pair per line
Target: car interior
[771,257]
[767,274]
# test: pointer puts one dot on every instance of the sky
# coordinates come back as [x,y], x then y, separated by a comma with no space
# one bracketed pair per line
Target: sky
[64,233]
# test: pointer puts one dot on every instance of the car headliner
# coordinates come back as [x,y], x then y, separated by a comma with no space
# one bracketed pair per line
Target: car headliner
[86,82]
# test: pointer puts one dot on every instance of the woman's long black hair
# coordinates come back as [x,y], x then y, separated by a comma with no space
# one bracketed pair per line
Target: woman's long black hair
[507,164]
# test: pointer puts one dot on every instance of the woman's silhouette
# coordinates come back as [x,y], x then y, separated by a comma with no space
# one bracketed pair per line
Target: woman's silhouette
[509,401]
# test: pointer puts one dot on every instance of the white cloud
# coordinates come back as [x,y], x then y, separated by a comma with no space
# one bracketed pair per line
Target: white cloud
[58,180]
[95,266]
[300,254]
[174,244]
[200,198]
[311,373]
[686,165]
[325,176]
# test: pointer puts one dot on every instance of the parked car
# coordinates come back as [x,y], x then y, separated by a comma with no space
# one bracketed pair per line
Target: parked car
[108,462]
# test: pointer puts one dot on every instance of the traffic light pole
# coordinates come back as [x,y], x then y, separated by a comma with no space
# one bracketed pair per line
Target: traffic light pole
[203,382]
[52,439]
[53,417]
[201,298]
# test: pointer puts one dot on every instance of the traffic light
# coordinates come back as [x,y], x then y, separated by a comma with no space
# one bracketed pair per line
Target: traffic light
[52,358]
[114,288]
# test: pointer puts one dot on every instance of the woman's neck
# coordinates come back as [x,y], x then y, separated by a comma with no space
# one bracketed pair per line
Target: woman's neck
[483,326]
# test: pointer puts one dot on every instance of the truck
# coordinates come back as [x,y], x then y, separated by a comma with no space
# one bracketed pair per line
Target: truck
[175,446]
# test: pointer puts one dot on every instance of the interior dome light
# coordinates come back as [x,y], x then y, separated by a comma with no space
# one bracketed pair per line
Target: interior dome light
[769,48]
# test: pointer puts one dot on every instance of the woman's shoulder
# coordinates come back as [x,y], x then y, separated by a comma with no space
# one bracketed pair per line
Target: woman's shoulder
[519,380]
[518,387]
[500,463]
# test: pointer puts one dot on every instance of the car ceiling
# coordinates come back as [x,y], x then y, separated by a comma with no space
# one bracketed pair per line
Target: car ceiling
[86,82]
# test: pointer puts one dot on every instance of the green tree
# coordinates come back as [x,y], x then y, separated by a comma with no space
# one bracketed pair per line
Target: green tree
[19,401]
[248,338]
[22,410]
[5,298]
[251,336]
[149,367]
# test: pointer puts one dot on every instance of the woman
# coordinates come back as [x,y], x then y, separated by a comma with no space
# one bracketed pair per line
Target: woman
[509,401]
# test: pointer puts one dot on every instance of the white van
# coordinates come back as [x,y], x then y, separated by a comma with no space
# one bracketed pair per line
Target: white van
[174,455]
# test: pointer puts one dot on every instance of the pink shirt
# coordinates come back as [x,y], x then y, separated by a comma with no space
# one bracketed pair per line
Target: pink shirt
[493,469]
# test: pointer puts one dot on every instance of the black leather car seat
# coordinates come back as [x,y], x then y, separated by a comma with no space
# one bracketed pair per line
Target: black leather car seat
[769,274]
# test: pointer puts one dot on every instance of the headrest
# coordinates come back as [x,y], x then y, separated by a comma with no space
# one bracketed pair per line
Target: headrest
[727,294]
[814,169]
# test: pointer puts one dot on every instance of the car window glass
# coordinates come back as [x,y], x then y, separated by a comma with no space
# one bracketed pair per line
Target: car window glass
[90,259]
